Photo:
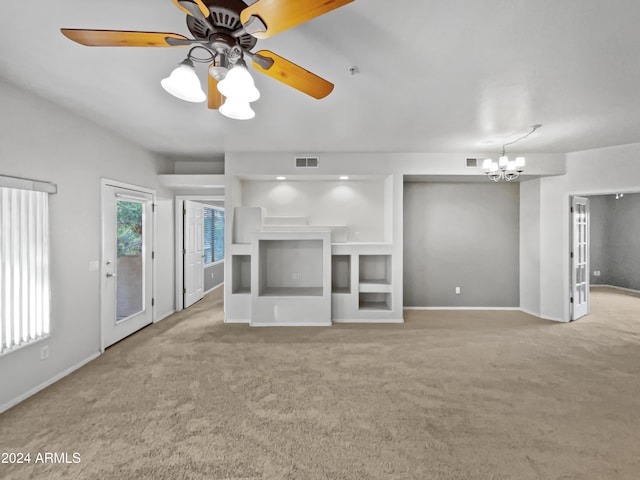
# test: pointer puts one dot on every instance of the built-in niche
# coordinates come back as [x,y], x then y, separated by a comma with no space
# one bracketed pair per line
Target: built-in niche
[341,274]
[290,268]
[241,274]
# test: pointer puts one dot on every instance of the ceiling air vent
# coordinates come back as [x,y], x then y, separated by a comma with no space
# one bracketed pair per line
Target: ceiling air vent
[472,162]
[307,162]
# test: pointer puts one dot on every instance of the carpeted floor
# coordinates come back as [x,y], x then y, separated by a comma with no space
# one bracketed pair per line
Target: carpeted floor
[447,395]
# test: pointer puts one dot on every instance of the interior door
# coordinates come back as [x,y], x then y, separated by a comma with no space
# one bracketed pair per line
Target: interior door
[579,257]
[127,267]
[193,252]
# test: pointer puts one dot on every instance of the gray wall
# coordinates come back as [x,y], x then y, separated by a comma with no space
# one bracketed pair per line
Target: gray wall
[213,275]
[461,234]
[615,240]
[598,207]
[43,141]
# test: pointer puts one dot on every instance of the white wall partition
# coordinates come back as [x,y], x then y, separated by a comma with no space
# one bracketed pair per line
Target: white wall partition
[599,171]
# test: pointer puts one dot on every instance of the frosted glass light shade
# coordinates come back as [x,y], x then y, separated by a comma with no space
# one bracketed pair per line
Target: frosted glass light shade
[237,109]
[238,84]
[520,162]
[183,83]
[511,166]
[503,161]
[486,165]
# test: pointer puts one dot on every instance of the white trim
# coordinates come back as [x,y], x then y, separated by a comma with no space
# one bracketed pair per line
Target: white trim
[27,184]
[293,324]
[498,309]
[238,321]
[616,287]
[206,265]
[166,315]
[51,381]
[214,288]
[106,182]
[464,308]
[368,320]
[530,312]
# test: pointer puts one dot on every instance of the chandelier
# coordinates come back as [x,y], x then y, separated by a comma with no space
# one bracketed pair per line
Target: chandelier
[505,169]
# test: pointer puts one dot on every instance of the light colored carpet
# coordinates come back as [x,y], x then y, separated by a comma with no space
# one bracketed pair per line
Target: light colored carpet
[447,395]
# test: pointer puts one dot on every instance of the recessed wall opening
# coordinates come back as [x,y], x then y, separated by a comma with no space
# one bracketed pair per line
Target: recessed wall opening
[614,246]
[461,244]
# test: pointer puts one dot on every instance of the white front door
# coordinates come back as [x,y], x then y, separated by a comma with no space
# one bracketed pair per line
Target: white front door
[193,252]
[579,257]
[127,267]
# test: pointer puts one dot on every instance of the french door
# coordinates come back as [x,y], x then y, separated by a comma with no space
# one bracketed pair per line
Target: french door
[579,257]
[127,267]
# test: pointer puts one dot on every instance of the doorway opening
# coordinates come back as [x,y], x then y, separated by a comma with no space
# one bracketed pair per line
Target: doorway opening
[613,260]
[199,247]
[127,260]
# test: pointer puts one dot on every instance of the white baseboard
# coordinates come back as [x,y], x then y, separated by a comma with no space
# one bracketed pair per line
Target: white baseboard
[617,288]
[294,324]
[51,381]
[368,320]
[214,288]
[530,312]
[237,320]
[463,308]
[166,315]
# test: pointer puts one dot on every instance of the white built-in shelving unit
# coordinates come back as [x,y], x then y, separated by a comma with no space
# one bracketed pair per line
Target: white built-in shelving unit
[312,251]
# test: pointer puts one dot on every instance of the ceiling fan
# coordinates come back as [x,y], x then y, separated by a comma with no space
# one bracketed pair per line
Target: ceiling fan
[224,32]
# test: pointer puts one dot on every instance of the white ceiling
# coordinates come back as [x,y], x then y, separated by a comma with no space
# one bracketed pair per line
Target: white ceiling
[436,76]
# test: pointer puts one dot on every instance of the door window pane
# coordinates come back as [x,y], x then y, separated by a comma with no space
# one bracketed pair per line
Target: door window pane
[130,267]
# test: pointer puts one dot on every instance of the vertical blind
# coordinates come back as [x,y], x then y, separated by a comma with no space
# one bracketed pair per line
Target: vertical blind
[24,267]
[213,235]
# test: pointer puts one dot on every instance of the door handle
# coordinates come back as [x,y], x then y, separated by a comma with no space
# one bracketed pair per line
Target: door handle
[111,275]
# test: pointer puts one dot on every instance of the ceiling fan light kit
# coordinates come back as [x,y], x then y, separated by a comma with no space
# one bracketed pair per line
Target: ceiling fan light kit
[227,30]
[237,109]
[239,84]
[183,83]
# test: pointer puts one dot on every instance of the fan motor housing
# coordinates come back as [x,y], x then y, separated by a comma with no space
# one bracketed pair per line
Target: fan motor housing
[225,15]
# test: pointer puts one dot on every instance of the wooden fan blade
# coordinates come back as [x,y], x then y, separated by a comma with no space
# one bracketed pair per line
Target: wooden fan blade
[215,98]
[201,6]
[177,4]
[294,76]
[279,15]
[120,38]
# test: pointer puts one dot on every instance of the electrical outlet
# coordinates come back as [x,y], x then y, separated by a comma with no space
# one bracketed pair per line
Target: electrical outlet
[211,275]
[596,273]
[457,290]
[44,352]
[296,276]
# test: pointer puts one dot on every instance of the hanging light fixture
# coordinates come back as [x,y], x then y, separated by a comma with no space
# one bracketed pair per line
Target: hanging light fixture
[237,109]
[183,83]
[505,169]
[238,84]
[233,81]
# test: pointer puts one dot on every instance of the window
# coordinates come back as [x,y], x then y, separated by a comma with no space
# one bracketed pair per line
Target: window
[213,234]
[24,267]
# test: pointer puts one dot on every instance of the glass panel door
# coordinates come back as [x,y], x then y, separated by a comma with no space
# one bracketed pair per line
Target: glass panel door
[130,259]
